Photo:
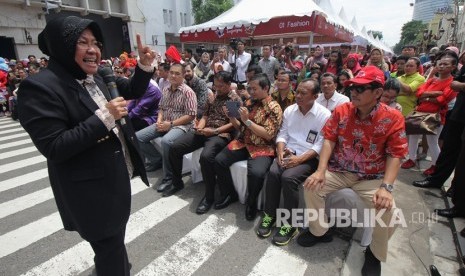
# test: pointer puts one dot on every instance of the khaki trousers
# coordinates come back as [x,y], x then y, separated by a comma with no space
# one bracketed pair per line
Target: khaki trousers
[365,189]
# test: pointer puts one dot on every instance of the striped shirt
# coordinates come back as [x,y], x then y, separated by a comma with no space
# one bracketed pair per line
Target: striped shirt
[175,104]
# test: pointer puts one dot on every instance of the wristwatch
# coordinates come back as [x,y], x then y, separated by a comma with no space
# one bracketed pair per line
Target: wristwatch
[388,187]
[248,123]
[171,124]
[216,131]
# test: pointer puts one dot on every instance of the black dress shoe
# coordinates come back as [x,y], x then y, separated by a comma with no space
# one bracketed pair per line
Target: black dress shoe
[172,190]
[164,185]
[225,201]
[434,271]
[425,183]
[371,266]
[204,206]
[449,192]
[449,213]
[250,211]
[462,233]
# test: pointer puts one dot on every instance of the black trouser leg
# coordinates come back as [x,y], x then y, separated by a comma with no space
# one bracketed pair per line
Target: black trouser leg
[449,153]
[111,258]
[257,168]
[458,193]
[213,145]
[186,143]
[222,163]
[289,180]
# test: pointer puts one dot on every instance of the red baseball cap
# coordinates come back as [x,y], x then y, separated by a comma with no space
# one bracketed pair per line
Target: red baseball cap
[367,74]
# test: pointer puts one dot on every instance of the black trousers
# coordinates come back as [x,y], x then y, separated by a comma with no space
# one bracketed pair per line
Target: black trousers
[289,181]
[449,152]
[111,258]
[458,182]
[189,142]
[256,172]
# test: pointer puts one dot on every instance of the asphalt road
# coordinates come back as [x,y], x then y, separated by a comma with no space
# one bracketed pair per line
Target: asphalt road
[164,235]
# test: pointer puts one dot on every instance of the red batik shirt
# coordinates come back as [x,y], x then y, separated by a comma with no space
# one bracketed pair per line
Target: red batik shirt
[266,113]
[363,145]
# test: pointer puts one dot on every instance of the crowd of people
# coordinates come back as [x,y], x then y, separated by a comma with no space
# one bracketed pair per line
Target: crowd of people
[321,120]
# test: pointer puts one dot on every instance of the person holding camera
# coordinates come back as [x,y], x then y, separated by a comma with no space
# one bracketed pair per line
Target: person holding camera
[219,63]
[292,61]
[240,60]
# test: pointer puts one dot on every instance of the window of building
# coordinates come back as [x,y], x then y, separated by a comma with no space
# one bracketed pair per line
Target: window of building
[165,16]
[170,17]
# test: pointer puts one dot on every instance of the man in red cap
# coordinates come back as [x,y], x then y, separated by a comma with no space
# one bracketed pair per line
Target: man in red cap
[364,142]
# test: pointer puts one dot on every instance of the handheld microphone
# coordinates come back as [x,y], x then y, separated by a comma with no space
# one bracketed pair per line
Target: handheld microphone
[110,80]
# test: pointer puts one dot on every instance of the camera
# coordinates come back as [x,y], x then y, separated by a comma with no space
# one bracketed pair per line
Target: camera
[233,43]
[288,49]
[200,49]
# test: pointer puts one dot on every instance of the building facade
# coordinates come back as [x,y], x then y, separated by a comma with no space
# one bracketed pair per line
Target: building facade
[424,10]
[158,22]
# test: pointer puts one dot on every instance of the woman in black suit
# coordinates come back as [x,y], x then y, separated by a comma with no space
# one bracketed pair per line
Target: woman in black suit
[69,114]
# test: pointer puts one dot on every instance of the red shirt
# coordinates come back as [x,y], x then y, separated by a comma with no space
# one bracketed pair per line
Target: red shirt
[436,84]
[363,145]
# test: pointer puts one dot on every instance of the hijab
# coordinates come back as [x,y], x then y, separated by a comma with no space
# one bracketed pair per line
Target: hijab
[59,38]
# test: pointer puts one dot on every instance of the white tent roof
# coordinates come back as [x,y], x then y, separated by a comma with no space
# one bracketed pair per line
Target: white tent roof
[332,15]
[249,12]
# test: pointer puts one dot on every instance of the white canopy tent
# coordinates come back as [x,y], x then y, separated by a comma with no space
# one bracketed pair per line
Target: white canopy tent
[274,18]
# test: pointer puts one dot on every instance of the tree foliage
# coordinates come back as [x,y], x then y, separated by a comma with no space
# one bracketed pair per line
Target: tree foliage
[376,34]
[205,10]
[411,34]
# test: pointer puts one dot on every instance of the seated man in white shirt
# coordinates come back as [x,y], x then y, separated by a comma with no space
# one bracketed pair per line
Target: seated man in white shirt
[298,144]
[330,98]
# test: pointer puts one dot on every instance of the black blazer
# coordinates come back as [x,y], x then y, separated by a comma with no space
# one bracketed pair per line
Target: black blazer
[86,166]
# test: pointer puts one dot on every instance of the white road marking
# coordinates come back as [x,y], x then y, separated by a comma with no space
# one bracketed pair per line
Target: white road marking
[13,136]
[80,257]
[12,130]
[17,152]
[191,251]
[22,179]
[22,203]
[15,143]
[277,261]
[21,164]
[8,125]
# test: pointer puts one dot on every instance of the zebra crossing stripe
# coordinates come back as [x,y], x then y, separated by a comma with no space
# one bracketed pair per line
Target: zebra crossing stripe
[39,229]
[15,143]
[27,234]
[191,251]
[17,129]
[21,203]
[22,179]
[277,261]
[17,152]
[78,258]
[21,164]
[8,122]
[3,126]
[13,136]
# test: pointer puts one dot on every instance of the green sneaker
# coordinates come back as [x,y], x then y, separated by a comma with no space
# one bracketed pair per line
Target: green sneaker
[285,235]
[265,226]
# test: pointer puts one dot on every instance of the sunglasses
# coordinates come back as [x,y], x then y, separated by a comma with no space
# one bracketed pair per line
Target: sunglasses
[360,89]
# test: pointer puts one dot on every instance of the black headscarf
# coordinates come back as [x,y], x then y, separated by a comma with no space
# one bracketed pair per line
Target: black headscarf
[59,38]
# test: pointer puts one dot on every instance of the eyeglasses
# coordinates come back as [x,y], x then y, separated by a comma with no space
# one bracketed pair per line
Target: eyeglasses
[359,88]
[83,45]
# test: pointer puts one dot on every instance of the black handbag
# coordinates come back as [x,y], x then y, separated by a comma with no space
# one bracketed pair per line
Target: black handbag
[417,122]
